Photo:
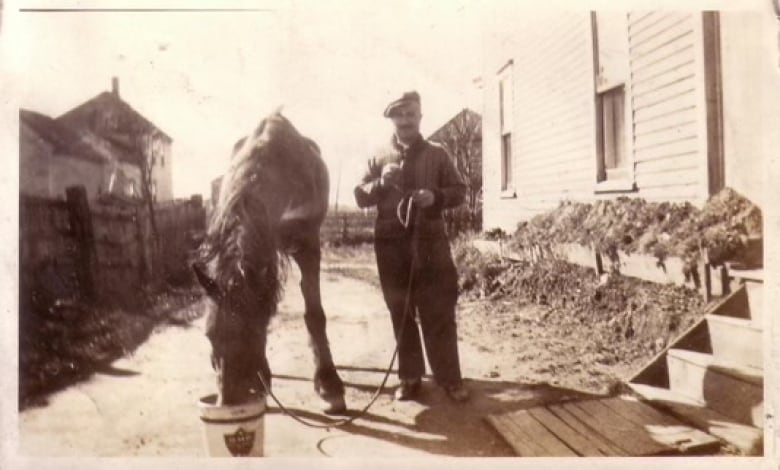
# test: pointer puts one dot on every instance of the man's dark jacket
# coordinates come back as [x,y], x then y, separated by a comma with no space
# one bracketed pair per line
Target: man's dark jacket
[425,165]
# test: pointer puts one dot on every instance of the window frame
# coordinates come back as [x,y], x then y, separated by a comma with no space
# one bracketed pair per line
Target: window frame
[506,123]
[621,178]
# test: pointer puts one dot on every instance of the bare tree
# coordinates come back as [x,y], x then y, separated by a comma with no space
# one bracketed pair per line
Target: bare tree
[146,154]
[151,150]
[462,137]
[148,159]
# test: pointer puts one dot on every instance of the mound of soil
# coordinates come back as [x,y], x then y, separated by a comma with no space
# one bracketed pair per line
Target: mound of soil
[723,227]
[570,326]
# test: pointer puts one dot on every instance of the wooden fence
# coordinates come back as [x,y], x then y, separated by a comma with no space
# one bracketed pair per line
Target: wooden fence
[709,280]
[103,252]
[48,252]
[180,225]
[348,227]
[356,226]
[462,220]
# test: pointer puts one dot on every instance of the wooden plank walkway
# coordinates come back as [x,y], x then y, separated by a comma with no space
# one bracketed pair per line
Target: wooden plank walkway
[619,426]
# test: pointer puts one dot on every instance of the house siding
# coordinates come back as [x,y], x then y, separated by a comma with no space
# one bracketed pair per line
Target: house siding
[553,115]
[72,171]
[554,132]
[43,172]
[162,174]
[667,109]
[35,156]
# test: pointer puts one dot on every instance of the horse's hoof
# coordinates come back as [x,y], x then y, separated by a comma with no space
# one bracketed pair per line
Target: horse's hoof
[336,406]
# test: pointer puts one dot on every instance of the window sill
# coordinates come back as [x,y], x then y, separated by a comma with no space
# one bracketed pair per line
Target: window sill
[605,87]
[615,186]
[509,193]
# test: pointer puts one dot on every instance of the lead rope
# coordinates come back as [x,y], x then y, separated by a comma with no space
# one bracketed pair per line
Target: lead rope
[407,304]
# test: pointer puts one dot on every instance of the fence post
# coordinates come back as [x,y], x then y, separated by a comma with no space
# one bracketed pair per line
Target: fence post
[81,222]
[145,268]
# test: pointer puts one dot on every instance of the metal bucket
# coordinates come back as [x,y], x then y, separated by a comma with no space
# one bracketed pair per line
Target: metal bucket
[233,431]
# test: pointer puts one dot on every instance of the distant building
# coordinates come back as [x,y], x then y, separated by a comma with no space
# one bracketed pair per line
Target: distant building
[53,156]
[135,137]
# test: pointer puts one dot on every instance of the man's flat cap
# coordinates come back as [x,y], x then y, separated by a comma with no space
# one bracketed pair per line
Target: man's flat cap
[408,97]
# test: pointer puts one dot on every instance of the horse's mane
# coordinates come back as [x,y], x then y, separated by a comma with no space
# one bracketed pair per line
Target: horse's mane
[241,233]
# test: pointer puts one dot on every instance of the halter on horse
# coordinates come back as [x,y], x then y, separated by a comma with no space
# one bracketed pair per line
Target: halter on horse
[272,202]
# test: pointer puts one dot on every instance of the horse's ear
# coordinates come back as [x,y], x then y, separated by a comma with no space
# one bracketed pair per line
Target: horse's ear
[277,111]
[209,284]
[237,146]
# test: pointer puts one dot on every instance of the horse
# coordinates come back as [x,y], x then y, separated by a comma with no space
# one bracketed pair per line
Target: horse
[272,201]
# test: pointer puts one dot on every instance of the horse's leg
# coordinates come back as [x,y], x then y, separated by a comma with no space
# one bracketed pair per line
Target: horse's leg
[327,382]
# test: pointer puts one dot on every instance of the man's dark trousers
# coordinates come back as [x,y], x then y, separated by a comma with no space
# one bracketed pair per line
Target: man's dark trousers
[434,295]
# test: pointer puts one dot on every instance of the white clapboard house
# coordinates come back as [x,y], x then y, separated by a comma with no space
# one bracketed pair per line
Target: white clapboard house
[661,105]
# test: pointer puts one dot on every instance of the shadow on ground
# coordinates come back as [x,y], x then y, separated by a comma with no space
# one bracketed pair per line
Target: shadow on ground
[442,427]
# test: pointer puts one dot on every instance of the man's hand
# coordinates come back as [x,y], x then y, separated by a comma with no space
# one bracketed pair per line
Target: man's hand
[391,176]
[423,198]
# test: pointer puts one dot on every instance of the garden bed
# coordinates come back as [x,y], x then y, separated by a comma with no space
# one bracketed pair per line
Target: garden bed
[657,242]
[727,228]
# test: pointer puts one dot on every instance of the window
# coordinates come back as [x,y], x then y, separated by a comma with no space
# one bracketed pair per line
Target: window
[613,118]
[611,132]
[506,123]
[506,162]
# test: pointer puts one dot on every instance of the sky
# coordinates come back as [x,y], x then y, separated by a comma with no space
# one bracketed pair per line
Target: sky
[207,78]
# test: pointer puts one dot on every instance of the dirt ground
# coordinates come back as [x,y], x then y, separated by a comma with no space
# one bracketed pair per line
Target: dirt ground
[145,404]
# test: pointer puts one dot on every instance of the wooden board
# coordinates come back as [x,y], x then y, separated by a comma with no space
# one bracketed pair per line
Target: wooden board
[663,428]
[523,444]
[527,438]
[632,439]
[747,439]
[580,443]
[599,428]
[543,436]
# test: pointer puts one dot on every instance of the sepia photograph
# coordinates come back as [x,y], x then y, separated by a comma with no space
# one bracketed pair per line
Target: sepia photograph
[390,232]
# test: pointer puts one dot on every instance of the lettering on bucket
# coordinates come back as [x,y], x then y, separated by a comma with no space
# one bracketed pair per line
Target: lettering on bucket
[240,442]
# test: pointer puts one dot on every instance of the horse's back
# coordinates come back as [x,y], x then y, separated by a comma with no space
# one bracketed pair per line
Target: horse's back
[301,222]
[297,195]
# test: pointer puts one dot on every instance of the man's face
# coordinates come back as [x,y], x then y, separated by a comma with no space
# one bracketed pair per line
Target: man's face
[406,119]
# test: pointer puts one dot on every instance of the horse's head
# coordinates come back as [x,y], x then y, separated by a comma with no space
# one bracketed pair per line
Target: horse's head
[244,277]
[237,327]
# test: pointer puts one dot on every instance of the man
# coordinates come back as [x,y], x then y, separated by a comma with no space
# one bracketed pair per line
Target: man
[411,168]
